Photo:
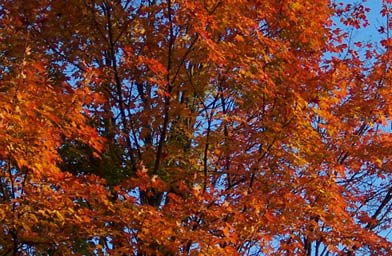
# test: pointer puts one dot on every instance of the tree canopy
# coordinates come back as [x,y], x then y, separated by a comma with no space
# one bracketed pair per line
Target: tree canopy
[203,127]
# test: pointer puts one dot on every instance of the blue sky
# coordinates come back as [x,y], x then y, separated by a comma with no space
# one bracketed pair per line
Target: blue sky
[370,32]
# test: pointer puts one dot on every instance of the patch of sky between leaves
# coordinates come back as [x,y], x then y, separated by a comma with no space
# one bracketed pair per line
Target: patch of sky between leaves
[358,38]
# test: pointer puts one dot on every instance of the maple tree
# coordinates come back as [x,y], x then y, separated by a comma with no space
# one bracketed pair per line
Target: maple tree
[193,127]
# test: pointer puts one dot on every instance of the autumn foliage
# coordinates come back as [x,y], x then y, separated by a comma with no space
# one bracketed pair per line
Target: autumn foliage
[178,127]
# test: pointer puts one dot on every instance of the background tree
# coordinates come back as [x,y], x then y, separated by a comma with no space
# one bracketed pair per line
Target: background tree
[193,127]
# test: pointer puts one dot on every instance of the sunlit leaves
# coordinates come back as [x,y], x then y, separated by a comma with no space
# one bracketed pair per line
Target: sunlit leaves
[193,127]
